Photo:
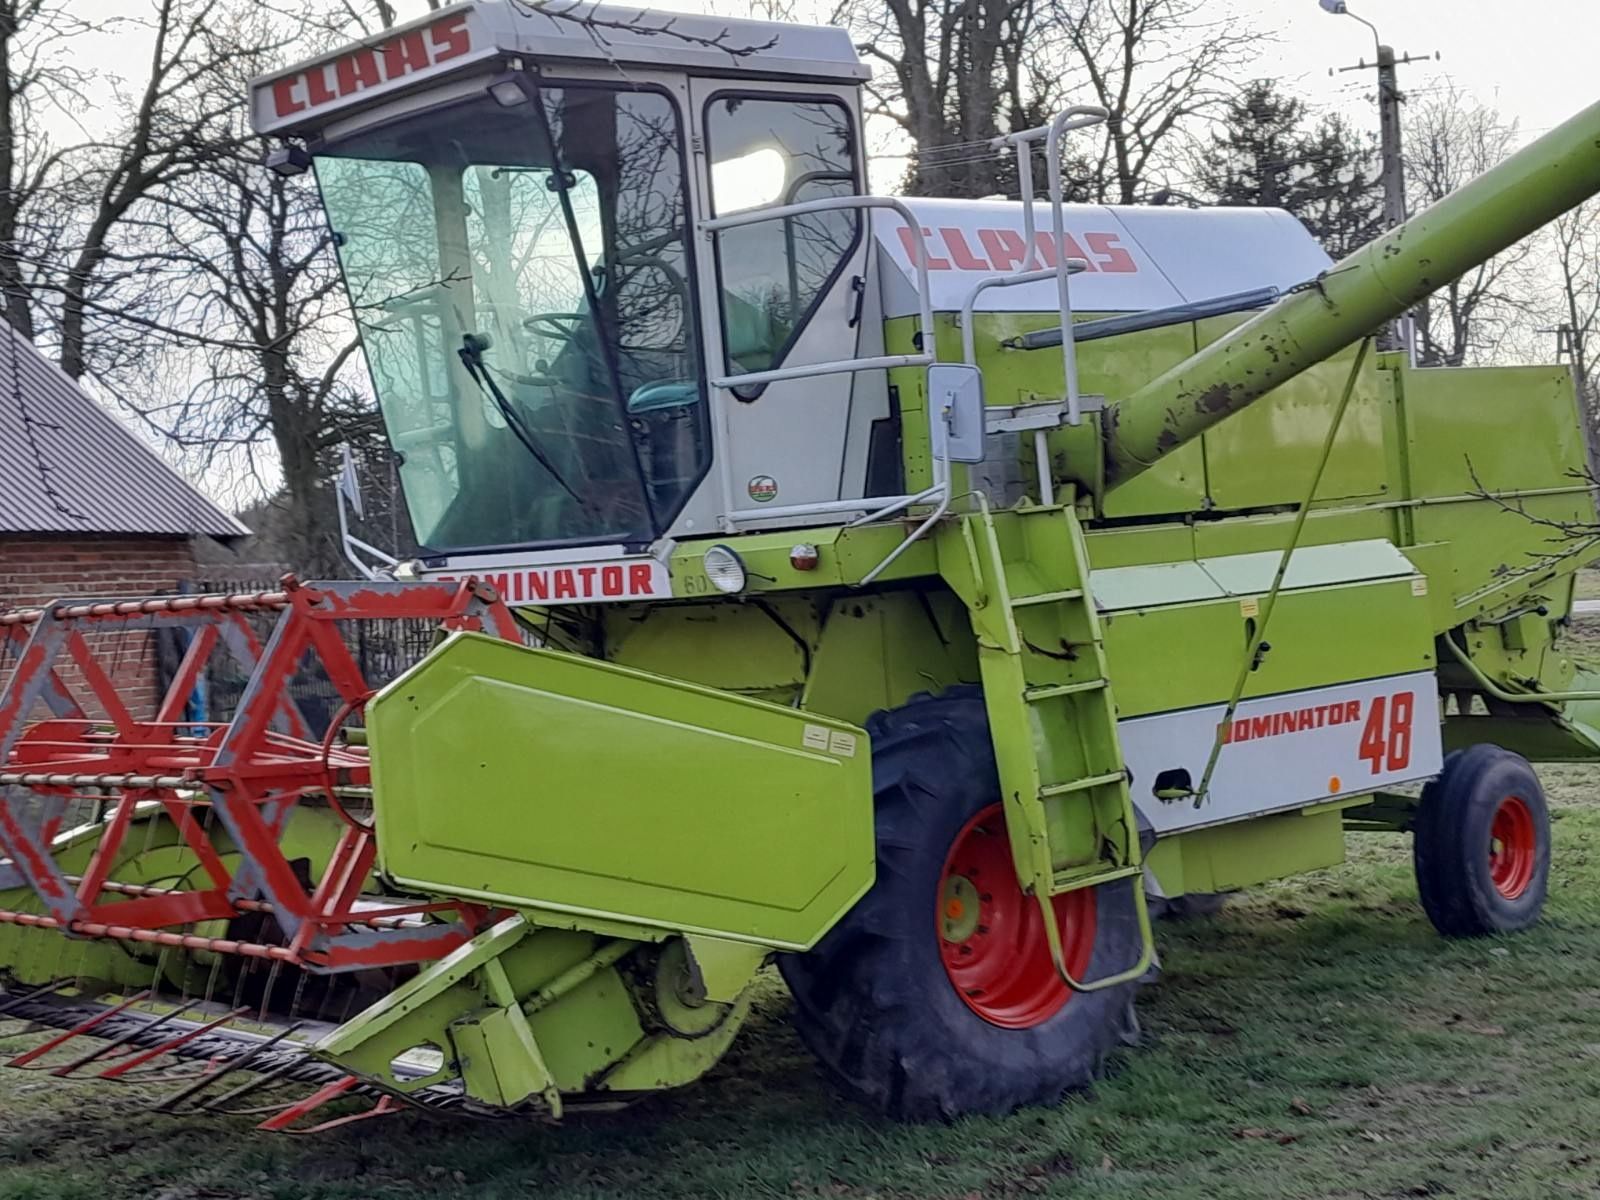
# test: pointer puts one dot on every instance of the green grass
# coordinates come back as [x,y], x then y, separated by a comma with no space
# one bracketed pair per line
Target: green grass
[1315,1039]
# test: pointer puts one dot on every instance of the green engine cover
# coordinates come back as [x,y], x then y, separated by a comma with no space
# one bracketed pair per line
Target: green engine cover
[549,782]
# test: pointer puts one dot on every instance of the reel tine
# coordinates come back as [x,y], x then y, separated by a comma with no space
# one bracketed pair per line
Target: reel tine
[349,1003]
[160,972]
[211,980]
[238,984]
[185,958]
[272,982]
[299,993]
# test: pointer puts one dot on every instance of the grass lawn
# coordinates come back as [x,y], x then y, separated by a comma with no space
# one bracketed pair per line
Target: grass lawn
[1315,1039]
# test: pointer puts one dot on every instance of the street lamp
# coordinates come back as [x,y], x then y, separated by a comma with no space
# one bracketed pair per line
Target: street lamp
[1339,9]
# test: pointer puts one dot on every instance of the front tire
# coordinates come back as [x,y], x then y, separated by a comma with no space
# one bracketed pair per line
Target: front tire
[935,996]
[1482,844]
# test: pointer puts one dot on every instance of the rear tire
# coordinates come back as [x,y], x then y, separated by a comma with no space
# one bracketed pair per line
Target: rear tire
[1482,844]
[877,1000]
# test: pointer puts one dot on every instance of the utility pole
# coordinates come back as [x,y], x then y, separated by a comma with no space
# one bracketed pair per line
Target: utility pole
[1389,101]
[1402,333]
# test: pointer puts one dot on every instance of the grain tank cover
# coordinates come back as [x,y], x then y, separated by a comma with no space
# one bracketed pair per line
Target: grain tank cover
[1139,258]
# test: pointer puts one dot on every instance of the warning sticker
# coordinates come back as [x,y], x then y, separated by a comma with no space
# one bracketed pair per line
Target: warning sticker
[843,744]
[1250,606]
[815,738]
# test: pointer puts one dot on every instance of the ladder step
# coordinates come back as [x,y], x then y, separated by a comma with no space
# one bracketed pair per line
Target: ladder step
[1047,597]
[1071,880]
[1049,692]
[1080,785]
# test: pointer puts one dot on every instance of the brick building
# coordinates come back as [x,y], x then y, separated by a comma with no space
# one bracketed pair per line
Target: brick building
[87,509]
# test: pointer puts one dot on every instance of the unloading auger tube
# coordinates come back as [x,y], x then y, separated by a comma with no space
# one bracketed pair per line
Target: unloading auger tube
[1376,283]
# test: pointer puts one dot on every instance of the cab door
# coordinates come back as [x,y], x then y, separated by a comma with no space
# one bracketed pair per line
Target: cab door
[781,293]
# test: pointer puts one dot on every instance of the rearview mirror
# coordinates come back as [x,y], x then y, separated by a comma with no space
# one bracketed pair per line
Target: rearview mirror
[955,406]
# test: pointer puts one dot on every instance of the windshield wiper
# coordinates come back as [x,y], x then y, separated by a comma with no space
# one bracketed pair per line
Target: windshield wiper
[561,179]
[471,353]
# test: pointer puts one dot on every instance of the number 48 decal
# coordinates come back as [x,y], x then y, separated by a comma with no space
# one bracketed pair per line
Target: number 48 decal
[1386,739]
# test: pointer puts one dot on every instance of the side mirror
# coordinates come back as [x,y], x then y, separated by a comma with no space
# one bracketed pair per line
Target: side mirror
[955,406]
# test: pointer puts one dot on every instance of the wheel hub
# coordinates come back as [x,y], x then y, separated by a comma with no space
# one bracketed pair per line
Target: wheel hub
[959,908]
[992,935]
[1513,847]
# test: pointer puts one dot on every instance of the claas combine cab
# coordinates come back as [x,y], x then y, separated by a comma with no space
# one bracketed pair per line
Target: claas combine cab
[915,593]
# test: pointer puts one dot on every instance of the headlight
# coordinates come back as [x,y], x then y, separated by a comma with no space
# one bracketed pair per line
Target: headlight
[724,569]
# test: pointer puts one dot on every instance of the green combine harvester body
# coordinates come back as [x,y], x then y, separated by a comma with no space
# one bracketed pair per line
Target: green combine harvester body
[912,590]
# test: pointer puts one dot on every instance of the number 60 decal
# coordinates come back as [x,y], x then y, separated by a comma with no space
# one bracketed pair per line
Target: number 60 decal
[1386,739]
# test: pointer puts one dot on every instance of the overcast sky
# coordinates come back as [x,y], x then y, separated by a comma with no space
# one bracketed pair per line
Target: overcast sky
[1532,59]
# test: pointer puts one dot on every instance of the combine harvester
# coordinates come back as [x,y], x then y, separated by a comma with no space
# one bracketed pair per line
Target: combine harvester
[902,589]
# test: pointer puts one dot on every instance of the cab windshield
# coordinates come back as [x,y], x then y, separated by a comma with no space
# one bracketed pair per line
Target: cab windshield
[520,281]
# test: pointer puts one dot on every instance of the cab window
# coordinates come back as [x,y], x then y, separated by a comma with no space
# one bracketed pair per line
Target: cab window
[768,151]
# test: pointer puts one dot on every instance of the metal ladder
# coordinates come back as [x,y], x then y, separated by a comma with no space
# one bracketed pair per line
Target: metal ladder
[1069,814]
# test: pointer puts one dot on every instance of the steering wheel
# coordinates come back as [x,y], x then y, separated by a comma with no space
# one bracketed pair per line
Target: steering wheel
[563,326]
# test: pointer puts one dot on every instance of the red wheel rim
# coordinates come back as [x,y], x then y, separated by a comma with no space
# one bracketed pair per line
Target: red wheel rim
[1513,847]
[991,934]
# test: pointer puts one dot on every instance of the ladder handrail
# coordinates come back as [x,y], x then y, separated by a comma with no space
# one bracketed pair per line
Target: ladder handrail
[928,353]
[969,352]
[1079,116]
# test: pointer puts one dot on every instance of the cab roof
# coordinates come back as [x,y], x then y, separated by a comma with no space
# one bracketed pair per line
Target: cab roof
[451,42]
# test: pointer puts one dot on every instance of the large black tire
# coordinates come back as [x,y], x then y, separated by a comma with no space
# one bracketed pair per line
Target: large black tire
[1481,844]
[1194,906]
[873,1001]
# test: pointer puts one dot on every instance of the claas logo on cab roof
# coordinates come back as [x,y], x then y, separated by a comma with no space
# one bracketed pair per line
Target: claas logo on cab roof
[1005,250]
[370,66]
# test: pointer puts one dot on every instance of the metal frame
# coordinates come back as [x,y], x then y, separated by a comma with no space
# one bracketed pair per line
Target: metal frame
[1079,116]
[853,178]
[246,775]
[874,507]
[842,366]
[969,350]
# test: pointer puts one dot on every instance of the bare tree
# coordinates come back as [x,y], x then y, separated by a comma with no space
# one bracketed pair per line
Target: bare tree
[252,383]
[65,276]
[958,72]
[36,41]
[247,254]
[963,71]
[1449,139]
[1162,68]
[1573,312]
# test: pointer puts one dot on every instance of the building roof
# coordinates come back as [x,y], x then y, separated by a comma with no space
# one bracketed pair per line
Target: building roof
[81,470]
